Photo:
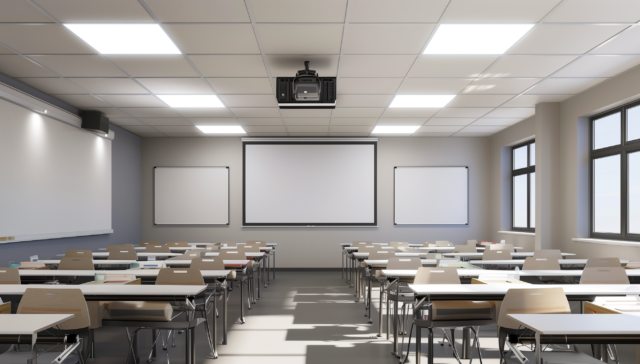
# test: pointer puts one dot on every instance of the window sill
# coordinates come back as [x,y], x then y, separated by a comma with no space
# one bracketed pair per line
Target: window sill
[607,242]
[517,233]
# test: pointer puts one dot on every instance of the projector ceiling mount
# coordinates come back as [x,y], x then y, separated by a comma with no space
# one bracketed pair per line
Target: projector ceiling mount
[306,90]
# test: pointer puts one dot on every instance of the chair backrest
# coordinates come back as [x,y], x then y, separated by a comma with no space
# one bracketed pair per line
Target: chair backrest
[9,276]
[604,275]
[472,242]
[78,253]
[399,244]
[547,253]
[426,244]
[531,301]
[228,243]
[249,248]
[214,263]
[603,262]
[257,243]
[178,244]
[508,247]
[122,254]
[465,249]
[443,243]
[189,255]
[533,263]
[145,243]
[404,263]
[57,301]
[113,248]
[179,277]
[367,248]
[496,255]
[71,263]
[381,254]
[433,275]
[359,243]
[231,254]
[157,249]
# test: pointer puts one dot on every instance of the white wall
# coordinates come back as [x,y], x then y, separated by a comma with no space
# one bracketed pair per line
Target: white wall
[318,247]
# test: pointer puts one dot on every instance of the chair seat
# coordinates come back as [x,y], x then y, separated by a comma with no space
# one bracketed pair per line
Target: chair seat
[231,275]
[140,311]
[463,310]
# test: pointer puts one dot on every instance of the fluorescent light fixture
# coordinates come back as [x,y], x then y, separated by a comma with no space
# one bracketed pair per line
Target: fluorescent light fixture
[125,38]
[475,38]
[395,129]
[221,129]
[421,100]
[191,100]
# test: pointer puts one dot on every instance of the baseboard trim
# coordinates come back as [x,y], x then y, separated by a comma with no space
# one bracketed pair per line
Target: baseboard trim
[308,269]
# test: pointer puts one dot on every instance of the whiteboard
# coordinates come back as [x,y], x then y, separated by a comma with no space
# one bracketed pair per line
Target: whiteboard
[191,195]
[431,196]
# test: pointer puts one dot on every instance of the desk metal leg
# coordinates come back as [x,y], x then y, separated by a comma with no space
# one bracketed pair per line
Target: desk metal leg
[369,300]
[188,339]
[192,345]
[242,300]
[465,343]
[342,261]
[538,349]
[388,316]
[430,353]
[380,310]
[265,272]
[214,319]
[225,297]
[395,323]
[259,278]
[418,344]
[268,264]
[274,263]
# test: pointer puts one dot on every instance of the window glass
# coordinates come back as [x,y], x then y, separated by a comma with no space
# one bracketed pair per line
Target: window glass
[633,123]
[532,199]
[634,193]
[520,201]
[532,154]
[606,195]
[520,157]
[606,131]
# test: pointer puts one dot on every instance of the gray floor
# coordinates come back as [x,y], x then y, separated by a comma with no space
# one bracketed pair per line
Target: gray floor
[301,318]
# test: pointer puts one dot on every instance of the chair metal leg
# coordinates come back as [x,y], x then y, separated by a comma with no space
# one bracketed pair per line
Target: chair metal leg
[380,310]
[453,344]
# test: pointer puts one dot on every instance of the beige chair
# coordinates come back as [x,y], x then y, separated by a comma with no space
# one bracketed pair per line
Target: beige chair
[179,244]
[117,247]
[231,254]
[146,243]
[216,263]
[604,275]
[465,249]
[69,263]
[399,244]
[122,252]
[249,248]
[496,255]
[78,253]
[404,263]
[533,263]
[427,244]
[189,255]
[228,243]
[507,247]
[472,242]
[443,243]
[359,243]
[548,253]
[179,276]
[9,276]
[603,262]
[157,249]
[256,242]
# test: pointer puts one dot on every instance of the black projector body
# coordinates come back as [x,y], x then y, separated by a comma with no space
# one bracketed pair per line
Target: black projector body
[306,91]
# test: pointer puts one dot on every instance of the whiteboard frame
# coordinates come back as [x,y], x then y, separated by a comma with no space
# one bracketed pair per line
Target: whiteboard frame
[228,196]
[433,225]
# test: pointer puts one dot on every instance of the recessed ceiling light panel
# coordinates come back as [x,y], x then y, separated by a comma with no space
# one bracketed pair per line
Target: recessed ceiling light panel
[421,100]
[475,38]
[125,38]
[178,101]
[395,129]
[221,129]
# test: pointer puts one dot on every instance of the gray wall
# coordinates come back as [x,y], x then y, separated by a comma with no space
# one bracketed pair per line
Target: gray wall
[318,247]
[126,207]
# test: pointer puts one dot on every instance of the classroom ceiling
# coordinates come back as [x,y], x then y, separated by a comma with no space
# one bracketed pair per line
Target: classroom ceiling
[231,48]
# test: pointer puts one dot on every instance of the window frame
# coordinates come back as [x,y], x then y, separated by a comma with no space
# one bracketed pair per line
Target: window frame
[518,172]
[623,150]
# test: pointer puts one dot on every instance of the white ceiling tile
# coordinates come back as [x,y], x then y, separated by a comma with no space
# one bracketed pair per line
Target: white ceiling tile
[178,129]
[564,38]
[287,66]
[165,121]
[151,112]
[299,11]
[155,65]
[378,66]
[500,86]
[239,85]
[256,112]
[109,85]
[497,11]
[368,86]
[307,121]
[260,121]
[307,128]
[479,100]
[189,134]
[82,101]
[349,134]
[126,121]
[527,66]
[598,66]
[301,38]
[20,11]
[200,11]
[82,11]
[264,129]
[42,39]
[205,112]
[481,129]
[213,121]
[268,134]
[433,86]
[176,86]
[53,85]
[214,38]
[410,112]
[386,38]
[439,129]
[564,86]
[354,121]
[623,43]
[469,112]
[450,121]
[302,113]
[249,100]
[401,121]
[133,100]
[79,66]
[364,100]
[405,11]
[357,112]
[512,112]
[530,101]
[596,11]
[230,66]
[451,66]
[18,66]
[308,134]
[111,112]
[496,121]
[351,129]
[463,134]
[143,130]
[431,135]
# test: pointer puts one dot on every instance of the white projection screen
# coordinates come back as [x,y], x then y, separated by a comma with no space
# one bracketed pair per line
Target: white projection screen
[431,196]
[191,195]
[310,184]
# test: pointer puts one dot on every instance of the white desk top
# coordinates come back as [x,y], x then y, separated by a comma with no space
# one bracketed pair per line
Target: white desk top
[129,262]
[567,324]
[101,262]
[172,248]
[479,255]
[265,248]
[145,254]
[397,254]
[505,273]
[385,261]
[187,262]
[29,324]
[501,289]
[111,290]
[91,273]
[248,254]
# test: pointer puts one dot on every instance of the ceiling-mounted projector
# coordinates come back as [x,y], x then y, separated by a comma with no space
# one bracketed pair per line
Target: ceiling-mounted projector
[306,91]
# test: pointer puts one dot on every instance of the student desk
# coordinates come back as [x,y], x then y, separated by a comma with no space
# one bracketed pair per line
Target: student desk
[467,256]
[269,251]
[568,263]
[111,264]
[177,249]
[30,325]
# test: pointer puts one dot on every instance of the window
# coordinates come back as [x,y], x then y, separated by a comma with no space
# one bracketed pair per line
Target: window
[615,174]
[523,177]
